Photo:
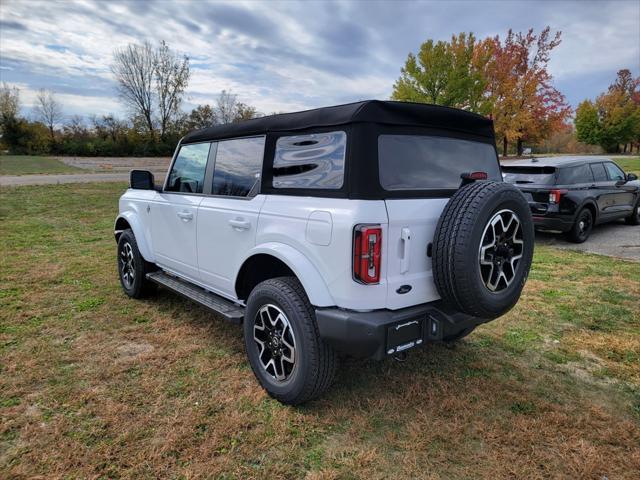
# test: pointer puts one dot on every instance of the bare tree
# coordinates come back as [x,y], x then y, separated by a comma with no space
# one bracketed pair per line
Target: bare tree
[134,69]
[108,126]
[76,128]
[229,110]
[48,110]
[226,107]
[172,76]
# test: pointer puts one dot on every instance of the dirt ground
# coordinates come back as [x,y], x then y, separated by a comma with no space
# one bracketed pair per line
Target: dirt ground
[98,169]
[118,164]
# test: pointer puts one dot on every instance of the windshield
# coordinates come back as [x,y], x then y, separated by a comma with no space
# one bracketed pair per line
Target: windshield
[419,162]
[534,175]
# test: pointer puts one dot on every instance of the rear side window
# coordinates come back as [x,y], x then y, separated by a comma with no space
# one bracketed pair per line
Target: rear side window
[534,175]
[238,166]
[599,173]
[577,174]
[310,161]
[418,162]
[187,172]
[614,171]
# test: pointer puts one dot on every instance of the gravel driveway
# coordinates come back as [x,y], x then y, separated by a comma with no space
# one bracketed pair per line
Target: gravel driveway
[99,169]
[611,239]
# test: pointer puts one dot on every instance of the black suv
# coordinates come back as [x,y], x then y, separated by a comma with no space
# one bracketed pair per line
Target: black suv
[572,194]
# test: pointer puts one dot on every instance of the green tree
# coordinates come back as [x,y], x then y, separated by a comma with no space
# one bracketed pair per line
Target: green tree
[200,117]
[587,123]
[446,73]
[614,118]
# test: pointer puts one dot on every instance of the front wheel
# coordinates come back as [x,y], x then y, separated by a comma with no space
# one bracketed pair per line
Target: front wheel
[133,268]
[582,227]
[288,357]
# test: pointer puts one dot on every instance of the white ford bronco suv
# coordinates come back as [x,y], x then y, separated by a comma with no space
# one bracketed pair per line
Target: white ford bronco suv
[364,229]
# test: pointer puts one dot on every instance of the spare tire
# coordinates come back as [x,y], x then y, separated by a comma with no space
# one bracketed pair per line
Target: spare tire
[482,249]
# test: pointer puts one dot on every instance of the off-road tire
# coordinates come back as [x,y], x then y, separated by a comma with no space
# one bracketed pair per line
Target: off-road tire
[634,218]
[456,248]
[578,234]
[140,287]
[315,361]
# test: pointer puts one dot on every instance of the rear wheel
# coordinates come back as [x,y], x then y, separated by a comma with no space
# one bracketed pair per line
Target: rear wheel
[133,268]
[634,218]
[582,227]
[288,357]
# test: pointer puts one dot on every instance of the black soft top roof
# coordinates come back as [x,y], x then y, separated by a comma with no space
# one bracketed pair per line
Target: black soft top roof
[369,111]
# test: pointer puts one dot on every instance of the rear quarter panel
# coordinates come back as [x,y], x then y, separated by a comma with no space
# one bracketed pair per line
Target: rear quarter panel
[321,229]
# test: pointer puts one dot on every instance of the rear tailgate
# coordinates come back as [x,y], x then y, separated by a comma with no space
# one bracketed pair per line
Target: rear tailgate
[412,224]
[426,170]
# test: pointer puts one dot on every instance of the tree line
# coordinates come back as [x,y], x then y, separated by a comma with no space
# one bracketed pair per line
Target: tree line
[151,84]
[506,79]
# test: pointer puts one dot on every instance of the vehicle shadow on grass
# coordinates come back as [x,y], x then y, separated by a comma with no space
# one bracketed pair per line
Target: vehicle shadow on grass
[429,373]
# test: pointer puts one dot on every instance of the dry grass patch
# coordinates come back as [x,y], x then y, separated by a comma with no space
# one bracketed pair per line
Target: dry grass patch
[94,385]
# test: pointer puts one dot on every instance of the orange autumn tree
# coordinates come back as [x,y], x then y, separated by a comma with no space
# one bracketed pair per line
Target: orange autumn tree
[526,105]
[506,80]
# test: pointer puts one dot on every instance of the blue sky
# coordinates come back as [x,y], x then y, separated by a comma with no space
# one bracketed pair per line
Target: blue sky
[287,56]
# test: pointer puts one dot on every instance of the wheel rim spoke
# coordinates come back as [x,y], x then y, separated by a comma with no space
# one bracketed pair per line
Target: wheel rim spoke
[127,265]
[501,249]
[275,342]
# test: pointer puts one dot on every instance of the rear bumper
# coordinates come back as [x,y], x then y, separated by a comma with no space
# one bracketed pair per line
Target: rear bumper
[380,333]
[548,217]
[562,223]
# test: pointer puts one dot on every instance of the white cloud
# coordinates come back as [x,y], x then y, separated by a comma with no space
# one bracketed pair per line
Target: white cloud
[285,56]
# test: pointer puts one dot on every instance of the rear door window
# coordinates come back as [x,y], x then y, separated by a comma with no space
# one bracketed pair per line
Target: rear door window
[577,174]
[599,173]
[419,162]
[532,175]
[187,172]
[238,167]
[615,173]
[310,161]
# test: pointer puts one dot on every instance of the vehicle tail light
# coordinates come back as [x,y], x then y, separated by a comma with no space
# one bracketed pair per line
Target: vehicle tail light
[556,195]
[367,242]
[475,176]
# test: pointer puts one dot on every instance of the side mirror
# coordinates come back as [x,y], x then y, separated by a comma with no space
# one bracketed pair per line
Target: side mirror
[141,180]
[631,177]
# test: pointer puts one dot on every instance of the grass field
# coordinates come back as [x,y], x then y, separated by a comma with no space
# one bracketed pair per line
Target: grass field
[631,164]
[29,164]
[94,385]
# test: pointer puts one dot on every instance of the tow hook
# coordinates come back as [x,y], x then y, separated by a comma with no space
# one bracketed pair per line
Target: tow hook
[400,357]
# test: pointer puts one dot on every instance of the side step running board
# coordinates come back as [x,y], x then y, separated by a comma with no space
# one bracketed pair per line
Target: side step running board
[229,310]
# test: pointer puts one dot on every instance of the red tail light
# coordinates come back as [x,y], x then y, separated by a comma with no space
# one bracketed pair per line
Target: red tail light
[474,176]
[367,242]
[556,195]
